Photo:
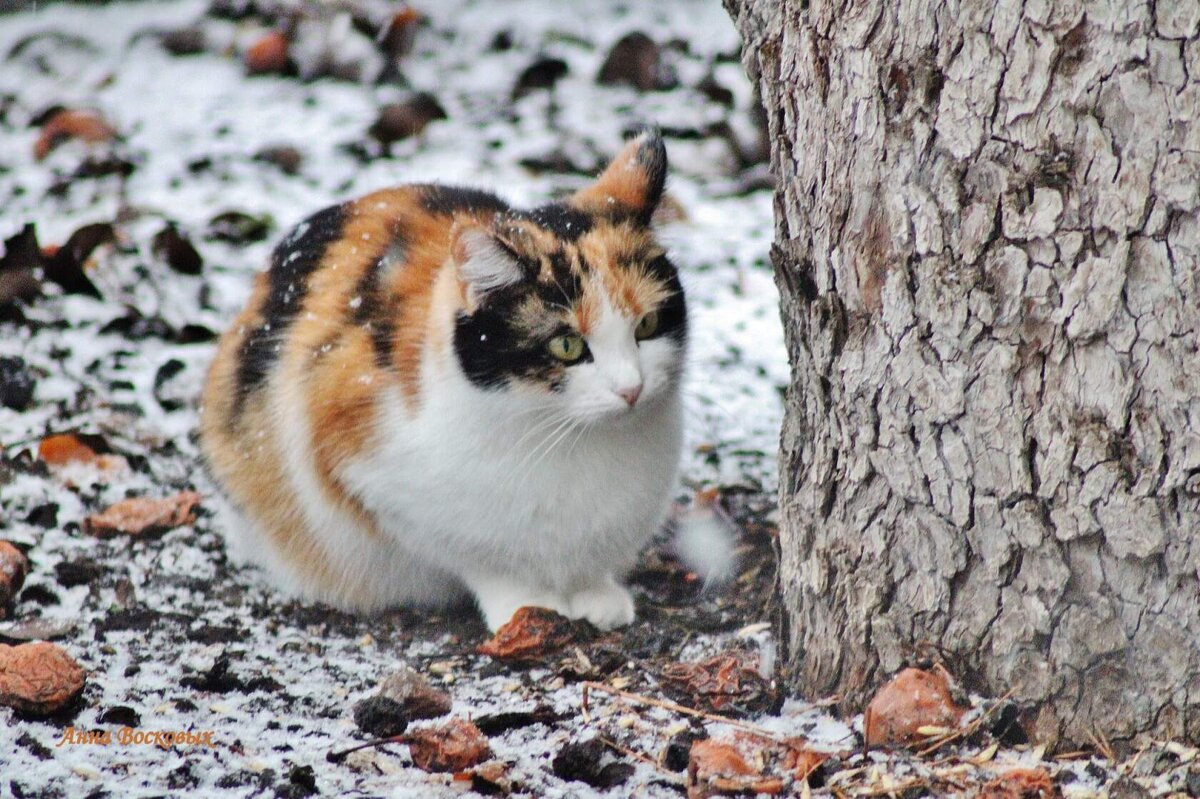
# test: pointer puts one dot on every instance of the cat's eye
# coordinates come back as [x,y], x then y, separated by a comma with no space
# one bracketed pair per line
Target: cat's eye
[567,348]
[647,326]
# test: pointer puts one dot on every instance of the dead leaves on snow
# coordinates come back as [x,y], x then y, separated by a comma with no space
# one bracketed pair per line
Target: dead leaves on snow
[143,516]
[530,635]
[38,678]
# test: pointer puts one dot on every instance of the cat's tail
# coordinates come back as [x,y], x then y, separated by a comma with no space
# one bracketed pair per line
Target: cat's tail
[705,539]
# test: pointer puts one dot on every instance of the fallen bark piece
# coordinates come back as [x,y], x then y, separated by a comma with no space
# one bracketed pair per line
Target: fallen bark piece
[14,567]
[912,700]
[636,60]
[531,634]
[454,746]
[143,516]
[70,123]
[38,678]
[380,717]
[415,696]
[719,684]
[1020,783]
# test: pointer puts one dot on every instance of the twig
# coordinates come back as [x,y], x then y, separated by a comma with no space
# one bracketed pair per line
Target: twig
[641,758]
[338,757]
[970,729]
[678,708]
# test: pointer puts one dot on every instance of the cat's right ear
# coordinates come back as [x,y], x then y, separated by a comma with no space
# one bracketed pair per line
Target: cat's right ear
[484,264]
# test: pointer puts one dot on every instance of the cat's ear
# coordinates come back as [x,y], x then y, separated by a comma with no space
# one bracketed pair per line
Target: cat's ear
[484,263]
[632,182]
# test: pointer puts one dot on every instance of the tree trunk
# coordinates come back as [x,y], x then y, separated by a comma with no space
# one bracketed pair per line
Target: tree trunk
[987,246]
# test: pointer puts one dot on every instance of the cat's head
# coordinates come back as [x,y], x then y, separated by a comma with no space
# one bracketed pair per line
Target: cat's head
[574,304]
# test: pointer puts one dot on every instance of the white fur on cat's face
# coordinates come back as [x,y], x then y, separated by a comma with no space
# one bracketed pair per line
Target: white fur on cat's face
[599,389]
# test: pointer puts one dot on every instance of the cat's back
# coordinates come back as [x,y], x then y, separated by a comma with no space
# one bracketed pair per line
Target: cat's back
[338,316]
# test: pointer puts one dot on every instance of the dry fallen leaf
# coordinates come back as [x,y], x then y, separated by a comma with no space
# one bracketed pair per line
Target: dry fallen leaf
[38,678]
[70,123]
[454,746]
[64,448]
[142,516]
[267,55]
[1021,783]
[719,684]
[718,768]
[530,634]
[909,701]
[13,568]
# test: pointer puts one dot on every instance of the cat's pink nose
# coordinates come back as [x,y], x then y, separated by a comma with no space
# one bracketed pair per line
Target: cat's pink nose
[631,394]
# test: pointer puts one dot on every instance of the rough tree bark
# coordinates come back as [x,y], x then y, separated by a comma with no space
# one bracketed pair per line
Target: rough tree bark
[988,250]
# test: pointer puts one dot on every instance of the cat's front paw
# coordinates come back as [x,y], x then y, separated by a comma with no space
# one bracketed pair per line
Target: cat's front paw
[606,605]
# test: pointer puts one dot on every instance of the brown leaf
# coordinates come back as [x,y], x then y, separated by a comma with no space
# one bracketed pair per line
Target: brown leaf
[14,566]
[64,448]
[719,684]
[401,32]
[531,634]
[454,746]
[636,60]
[38,678]
[911,700]
[269,54]
[70,123]
[143,516]
[801,761]
[66,265]
[1020,783]
[407,118]
[717,768]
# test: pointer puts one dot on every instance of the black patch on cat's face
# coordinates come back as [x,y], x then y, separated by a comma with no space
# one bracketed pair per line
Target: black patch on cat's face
[493,348]
[293,260]
[450,200]
[672,313]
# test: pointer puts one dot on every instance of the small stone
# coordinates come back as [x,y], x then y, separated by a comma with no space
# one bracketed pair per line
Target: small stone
[38,678]
[414,694]
[380,717]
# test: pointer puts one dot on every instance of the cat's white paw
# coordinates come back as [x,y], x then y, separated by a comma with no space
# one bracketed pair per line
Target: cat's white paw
[498,600]
[606,605]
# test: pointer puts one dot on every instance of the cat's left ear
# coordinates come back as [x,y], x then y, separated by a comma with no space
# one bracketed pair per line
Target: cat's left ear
[632,182]
[483,262]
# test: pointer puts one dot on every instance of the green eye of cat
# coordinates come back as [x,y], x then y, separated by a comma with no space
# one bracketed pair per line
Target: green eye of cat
[568,348]
[647,326]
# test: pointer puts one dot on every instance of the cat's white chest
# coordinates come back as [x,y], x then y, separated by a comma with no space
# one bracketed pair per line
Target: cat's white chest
[469,487]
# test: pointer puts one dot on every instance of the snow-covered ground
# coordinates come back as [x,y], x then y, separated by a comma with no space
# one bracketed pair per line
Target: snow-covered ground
[191,125]
[150,619]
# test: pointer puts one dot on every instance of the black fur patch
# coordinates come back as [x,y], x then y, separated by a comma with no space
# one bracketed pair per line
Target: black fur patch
[563,221]
[492,349]
[292,262]
[450,200]
[375,310]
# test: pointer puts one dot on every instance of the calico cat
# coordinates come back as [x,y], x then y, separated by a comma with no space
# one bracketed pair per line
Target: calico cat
[430,392]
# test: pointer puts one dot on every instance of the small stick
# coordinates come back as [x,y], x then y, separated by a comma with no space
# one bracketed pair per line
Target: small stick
[687,711]
[338,757]
[670,776]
